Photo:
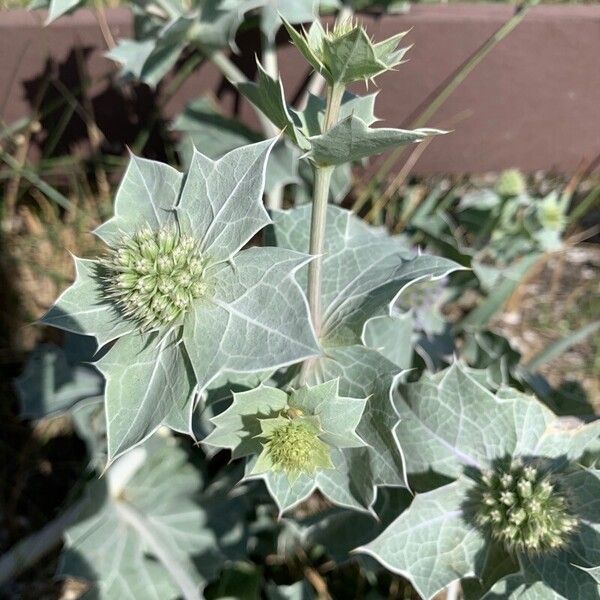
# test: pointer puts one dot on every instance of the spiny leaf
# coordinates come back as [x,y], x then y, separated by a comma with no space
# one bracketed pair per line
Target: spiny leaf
[145,537]
[267,95]
[50,384]
[351,139]
[431,543]
[83,309]
[146,378]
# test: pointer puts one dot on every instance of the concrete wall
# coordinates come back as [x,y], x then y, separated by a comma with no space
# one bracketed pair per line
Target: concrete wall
[534,102]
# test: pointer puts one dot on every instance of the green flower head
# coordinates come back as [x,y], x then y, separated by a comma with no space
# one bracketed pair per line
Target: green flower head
[290,439]
[551,212]
[178,294]
[519,505]
[153,277]
[345,54]
[293,445]
[511,183]
[524,509]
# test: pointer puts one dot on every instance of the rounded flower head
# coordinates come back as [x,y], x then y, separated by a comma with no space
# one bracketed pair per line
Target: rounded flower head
[511,183]
[154,276]
[524,509]
[292,445]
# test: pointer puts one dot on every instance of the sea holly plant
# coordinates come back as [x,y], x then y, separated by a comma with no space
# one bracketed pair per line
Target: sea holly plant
[515,509]
[176,295]
[281,338]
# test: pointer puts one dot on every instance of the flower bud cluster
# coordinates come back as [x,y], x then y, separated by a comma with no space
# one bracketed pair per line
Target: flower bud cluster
[511,183]
[524,510]
[154,276]
[293,446]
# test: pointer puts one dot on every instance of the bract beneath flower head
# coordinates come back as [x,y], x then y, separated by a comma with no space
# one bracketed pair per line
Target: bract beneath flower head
[180,297]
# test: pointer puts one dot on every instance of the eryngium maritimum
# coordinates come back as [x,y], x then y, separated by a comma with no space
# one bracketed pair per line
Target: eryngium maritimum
[154,276]
[295,447]
[524,509]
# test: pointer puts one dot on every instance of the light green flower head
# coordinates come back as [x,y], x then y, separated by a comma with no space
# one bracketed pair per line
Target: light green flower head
[511,183]
[291,443]
[551,212]
[289,434]
[524,509]
[345,53]
[153,276]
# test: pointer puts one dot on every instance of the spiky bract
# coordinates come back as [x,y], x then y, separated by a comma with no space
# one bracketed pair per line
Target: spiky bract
[524,509]
[154,276]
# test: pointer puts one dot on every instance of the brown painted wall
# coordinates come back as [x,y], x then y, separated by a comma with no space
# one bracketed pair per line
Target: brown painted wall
[534,102]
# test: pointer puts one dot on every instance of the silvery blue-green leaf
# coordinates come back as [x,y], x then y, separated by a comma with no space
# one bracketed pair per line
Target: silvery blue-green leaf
[210,23]
[516,587]
[449,422]
[364,269]
[132,55]
[354,57]
[365,373]
[294,11]
[147,377]
[50,384]
[492,352]
[141,533]
[221,201]
[83,308]
[56,8]
[347,484]
[569,437]
[335,417]
[393,337]
[215,22]
[268,96]
[351,139]
[147,195]
[483,200]
[146,60]
[204,127]
[251,316]
[311,118]
[257,317]
[431,543]
[240,425]
[237,427]
[346,54]
[593,571]
[569,571]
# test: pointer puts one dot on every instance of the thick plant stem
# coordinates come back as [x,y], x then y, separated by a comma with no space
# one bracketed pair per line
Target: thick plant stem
[317,238]
[319,211]
[274,198]
[318,220]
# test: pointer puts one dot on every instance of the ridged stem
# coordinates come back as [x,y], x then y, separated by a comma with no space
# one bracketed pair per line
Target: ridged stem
[318,220]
